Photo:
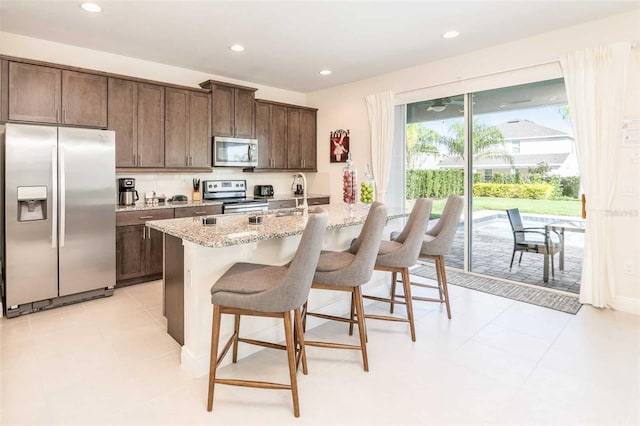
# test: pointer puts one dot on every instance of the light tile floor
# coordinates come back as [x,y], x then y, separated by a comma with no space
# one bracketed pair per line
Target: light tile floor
[110,362]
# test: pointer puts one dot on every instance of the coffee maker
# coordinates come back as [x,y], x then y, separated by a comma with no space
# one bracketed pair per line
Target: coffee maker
[127,194]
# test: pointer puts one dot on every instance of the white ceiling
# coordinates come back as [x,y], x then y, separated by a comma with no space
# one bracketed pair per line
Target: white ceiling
[288,43]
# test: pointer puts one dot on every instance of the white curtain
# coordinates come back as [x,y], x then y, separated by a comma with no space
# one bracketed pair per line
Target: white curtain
[381,117]
[595,80]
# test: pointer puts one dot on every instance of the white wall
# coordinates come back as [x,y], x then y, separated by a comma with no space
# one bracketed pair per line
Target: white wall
[508,64]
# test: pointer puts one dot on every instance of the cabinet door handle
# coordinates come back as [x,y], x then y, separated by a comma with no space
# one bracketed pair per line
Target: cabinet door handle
[57,115]
[190,160]
[145,217]
[144,232]
[64,114]
[186,160]
[139,162]
[200,212]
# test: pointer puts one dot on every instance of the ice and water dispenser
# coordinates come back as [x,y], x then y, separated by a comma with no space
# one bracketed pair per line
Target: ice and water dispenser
[32,203]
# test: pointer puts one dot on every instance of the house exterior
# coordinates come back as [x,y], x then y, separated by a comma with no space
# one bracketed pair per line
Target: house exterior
[529,145]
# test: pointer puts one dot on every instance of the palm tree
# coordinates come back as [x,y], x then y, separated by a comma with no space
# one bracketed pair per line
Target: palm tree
[421,141]
[487,142]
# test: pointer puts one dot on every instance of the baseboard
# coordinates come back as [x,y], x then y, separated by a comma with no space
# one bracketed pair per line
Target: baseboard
[627,304]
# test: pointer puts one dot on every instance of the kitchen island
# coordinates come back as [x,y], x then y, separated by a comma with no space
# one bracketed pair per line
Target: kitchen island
[196,255]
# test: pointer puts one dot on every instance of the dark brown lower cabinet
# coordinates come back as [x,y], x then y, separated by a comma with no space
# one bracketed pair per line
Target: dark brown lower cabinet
[138,255]
[138,248]
[130,252]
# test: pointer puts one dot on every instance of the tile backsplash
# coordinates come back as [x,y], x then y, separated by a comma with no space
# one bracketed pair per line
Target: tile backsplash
[171,184]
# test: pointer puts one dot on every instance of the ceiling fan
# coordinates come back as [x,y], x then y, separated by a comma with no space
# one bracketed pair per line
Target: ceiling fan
[440,104]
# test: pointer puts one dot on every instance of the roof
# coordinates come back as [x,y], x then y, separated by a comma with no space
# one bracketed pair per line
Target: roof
[526,129]
[519,161]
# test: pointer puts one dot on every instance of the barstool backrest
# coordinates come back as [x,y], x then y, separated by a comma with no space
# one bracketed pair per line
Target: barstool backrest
[293,291]
[411,237]
[445,230]
[366,247]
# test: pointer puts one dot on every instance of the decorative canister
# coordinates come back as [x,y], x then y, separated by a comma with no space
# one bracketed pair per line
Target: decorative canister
[349,184]
[367,188]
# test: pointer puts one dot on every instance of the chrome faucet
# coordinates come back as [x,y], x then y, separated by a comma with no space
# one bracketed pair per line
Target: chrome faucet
[305,206]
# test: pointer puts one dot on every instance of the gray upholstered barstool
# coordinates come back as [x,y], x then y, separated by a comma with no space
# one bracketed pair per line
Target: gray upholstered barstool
[267,291]
[347,271]
[398,255]
[437,242]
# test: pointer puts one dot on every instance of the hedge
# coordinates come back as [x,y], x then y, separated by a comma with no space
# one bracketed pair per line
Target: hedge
[440,183]
[533,191]
[434,183]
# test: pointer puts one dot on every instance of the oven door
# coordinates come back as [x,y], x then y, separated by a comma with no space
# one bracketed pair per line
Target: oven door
[244,208]
[235,152]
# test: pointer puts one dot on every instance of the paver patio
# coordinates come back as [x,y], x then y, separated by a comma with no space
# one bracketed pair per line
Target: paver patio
[492,247]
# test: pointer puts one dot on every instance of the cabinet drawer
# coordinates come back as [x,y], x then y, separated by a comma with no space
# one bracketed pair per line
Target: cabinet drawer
[282,204]
[318,201]
[141,216]
[198,211]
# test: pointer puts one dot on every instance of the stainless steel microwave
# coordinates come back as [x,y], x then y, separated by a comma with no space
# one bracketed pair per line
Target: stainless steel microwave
[235,152]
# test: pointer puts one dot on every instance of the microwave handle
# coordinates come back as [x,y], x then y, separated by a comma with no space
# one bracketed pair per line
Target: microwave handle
[249,152]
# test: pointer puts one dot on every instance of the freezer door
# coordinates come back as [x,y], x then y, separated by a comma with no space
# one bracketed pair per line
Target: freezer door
[87,222]
[31,252]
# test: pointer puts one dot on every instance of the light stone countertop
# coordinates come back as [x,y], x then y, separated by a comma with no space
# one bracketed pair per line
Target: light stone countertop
[233,230]
[140,205]
[283,197]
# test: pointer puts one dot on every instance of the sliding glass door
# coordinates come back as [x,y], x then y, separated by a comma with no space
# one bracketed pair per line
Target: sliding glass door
[524,158]
[434,139]
[521,156]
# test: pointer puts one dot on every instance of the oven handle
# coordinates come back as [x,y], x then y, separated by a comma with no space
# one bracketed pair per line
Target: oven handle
[245,208]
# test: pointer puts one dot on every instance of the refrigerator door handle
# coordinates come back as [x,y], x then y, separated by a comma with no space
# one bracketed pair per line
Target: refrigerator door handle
[63,185]
[54,197]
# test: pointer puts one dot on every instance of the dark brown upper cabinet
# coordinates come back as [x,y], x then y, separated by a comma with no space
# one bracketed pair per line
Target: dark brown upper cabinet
[44,94]
[136,113]
[187,134]
[232,109]
[123,118]
[286,136]
[35,93]
[150,125]
[263,134]
[84,99]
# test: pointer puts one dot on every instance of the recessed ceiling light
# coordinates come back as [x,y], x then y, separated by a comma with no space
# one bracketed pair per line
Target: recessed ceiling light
[325,72]
[237,48]
[450,34]
[91,7]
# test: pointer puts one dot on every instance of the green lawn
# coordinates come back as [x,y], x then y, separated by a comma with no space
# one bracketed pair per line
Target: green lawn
[551,207]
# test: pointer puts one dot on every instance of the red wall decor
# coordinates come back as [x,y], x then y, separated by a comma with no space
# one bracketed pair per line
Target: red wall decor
[339,146]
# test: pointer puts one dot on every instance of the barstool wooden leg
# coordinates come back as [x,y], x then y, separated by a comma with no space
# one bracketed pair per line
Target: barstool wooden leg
[353,308]
[445,289]
[300,337]
[357,296]
[236,330]
[304,316]
[439,276]
[394,279]
[288,333]
[407,293]
[215,336]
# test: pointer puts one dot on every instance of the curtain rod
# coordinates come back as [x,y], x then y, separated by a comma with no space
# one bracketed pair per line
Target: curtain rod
[478,76]
[634,45]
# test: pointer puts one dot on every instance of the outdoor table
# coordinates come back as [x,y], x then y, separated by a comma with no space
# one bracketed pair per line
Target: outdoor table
[560,228]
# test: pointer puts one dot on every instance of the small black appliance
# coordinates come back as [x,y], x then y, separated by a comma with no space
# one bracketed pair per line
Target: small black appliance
[127,194]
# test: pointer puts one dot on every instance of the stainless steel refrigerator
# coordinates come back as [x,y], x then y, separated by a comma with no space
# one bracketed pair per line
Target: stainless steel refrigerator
[59,216]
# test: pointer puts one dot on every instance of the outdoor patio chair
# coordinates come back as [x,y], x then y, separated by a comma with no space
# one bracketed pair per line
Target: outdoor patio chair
[525,241]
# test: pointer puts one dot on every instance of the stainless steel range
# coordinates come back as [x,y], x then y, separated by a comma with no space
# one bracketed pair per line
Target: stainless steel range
[233,195]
